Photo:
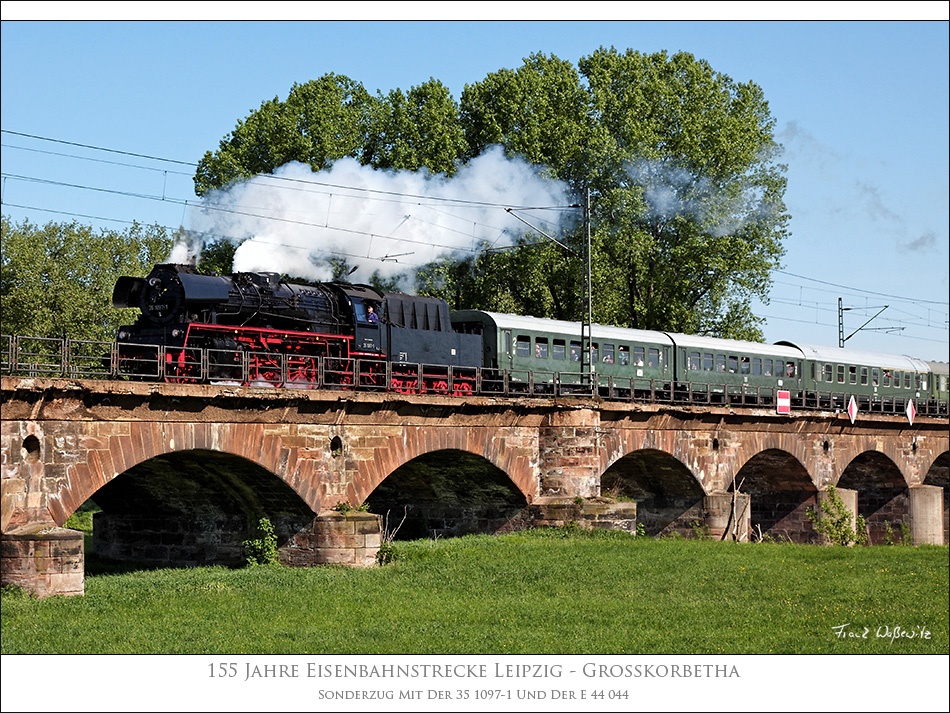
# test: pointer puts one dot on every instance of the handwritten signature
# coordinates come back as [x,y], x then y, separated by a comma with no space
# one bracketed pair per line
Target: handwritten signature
[885,631]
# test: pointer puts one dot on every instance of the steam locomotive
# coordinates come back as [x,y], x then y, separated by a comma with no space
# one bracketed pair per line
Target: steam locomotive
[257,325]
[258,328]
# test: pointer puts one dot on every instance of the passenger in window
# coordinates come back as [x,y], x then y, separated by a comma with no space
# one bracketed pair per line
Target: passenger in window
[371,315]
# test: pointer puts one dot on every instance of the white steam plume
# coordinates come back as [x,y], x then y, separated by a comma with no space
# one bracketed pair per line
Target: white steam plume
[294,220]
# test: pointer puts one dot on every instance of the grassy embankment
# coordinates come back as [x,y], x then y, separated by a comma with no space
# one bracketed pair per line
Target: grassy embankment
[555,591]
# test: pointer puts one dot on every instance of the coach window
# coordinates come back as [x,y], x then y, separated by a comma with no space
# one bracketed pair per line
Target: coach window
[887,377]
[594,350]
[575,351]
[875,377]
[790,370]
[694,361]
[541,348]
[864,376]
[638,356]
[756,366]
[767,367]
[908,380]
[920,381]
[733,364]
[623,355]
[654,358]
[827,375]
[840,373]
[745,365]
[707,362]
[721,363]
[852,375]
[558,350]
[523,346]
[608,353]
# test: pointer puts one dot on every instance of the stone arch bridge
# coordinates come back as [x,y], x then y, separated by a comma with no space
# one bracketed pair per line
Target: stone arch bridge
[182,473]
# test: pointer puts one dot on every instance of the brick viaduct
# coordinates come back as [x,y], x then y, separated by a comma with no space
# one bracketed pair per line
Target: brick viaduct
[183,472]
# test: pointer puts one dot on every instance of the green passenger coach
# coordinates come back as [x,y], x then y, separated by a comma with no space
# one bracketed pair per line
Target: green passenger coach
[541,351]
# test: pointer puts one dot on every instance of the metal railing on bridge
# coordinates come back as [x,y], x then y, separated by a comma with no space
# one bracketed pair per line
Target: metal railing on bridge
[81,359]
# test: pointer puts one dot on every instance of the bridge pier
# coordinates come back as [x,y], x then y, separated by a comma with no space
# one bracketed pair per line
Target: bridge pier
[351,538]
[926,514]
[569,450]
[729,516]
[44,560]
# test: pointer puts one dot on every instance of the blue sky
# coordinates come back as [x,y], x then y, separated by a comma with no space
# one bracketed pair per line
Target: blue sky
[860,107]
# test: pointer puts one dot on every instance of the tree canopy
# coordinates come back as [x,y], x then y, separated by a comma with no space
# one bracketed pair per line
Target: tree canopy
[687,195]
[56,280]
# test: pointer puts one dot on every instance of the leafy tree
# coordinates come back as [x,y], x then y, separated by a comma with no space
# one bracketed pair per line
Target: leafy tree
[217,257]
[321,121]
[56,280]
[688,216]
[419,129]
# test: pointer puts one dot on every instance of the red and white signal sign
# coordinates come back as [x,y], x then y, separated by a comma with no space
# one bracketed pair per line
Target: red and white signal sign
[852,409]
[783,402]
[911,411]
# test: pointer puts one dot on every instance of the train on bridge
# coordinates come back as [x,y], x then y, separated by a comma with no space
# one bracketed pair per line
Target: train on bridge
[257,328]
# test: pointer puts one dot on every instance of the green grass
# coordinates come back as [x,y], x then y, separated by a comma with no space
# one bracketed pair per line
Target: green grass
[548,591]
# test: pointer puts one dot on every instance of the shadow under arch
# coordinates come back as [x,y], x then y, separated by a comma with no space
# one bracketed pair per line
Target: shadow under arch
[192,508]
[883,499]
[446,493]
[780,493]
[669,499]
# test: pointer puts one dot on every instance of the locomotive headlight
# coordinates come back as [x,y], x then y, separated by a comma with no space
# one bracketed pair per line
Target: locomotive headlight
[123,335]
[176,333]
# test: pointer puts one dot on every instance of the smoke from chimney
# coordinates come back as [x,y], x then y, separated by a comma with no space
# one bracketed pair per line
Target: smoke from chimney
[294,220]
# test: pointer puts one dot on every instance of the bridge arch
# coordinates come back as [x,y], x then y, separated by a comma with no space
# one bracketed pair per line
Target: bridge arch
[371,454]
[780,491]
[882,492]
[101,452]
[190,508]
[669,497]
[448,492]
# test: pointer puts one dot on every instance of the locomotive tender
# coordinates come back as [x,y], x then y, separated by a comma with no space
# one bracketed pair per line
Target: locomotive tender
[257,328]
